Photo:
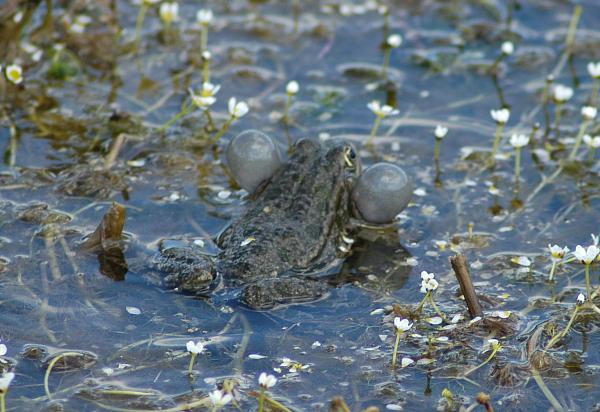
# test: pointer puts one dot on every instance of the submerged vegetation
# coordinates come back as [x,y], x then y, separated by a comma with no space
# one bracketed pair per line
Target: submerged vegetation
[134,102]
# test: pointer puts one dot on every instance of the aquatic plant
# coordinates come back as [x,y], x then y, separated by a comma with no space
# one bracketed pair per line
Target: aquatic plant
[588,113]
[265,383]
[219,399]
[587,257]
[381,112]
[560,95]
[392,42]
[169,13]
[593,69]
[204,18]
[194,349]
[5,381]
[440,132]
[401,326]
[557,254]
[236,110]
[14,73]
[501,117]
[518,141]
[291,90]
[592,143]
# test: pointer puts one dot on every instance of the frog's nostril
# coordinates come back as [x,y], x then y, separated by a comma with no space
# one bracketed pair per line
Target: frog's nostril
[252,157]
[381,192]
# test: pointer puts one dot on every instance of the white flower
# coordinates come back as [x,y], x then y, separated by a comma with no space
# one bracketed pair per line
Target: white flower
[427,276]
[501,116]
[195,348]
[589,112]
[588,255]
[292,87]
[428,283]
[591,142]
[394,40]
[267,381]
[169,12]
[207,95]
[14,73]
[406,362]
[440,131]
[557,252]
[562,93]
[402,325]
[508,48]
[5,381]
[494,344]
[206,55]
[580,299]
[382,111]
[3,349]
[521,261]
[219,399]
[204,16]
[519,140]
[594,69]
[237,109]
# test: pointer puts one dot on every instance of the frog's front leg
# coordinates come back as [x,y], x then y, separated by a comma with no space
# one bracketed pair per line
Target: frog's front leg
[268,293]
[186,268]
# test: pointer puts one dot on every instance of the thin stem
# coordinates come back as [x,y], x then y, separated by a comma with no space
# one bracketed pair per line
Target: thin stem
[206,70]
[545,101]
[573,28]
[2,402]
[374,129]
[517,168]
[559,336]
[191,365]
[551,277]
[395,354]
[499,128]
[286,110]
[557,118]
[588,284]
[185,110]
[422,303]
[386,60]
[470,371]
[437,310]
[223,129]
[204,38]
[436,150]
[209,118]
[139,22]
[594,96]
[261,400]
[592,154]
[582,129]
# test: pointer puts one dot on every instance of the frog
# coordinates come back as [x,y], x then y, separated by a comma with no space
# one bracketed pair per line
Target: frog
[294,228]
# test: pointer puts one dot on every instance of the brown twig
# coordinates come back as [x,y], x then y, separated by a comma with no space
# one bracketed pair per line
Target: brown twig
[461,269]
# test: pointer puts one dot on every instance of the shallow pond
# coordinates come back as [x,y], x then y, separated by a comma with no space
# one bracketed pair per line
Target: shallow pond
[97,117]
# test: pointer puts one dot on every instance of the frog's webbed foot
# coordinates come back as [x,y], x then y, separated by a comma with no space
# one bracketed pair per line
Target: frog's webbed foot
[186,268]
[269,293]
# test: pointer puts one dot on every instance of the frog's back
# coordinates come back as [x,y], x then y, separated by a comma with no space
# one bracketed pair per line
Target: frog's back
[293,224]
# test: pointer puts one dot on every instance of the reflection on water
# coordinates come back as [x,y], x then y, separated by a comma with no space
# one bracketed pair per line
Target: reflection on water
[103,114]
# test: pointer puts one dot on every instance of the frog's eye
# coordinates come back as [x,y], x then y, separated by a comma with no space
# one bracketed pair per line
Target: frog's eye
[349,156]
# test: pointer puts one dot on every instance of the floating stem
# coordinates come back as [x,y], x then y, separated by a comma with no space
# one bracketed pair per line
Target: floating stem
[582,129]
[374,129]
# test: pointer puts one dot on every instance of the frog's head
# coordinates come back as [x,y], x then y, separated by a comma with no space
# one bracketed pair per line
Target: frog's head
[344,155]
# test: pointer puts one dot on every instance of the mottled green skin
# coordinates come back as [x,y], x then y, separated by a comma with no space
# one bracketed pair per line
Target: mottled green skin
[295,221]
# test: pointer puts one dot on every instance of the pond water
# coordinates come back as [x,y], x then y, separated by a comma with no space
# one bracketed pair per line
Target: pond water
[108,340]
